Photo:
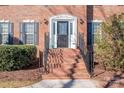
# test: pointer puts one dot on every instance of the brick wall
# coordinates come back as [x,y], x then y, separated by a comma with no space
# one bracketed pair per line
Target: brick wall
[38,13]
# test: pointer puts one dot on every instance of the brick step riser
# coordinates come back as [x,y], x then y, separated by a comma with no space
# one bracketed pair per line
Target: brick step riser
[57,77]
[73,72]
[63,54]
[68,69]
[61,70]
[45,78]
[66,60]
[66,75]
[68,66]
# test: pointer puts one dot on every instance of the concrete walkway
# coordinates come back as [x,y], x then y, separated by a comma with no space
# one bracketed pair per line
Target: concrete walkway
[65,84]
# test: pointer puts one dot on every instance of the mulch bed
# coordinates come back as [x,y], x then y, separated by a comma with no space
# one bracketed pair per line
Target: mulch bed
[31,73]
[108,79]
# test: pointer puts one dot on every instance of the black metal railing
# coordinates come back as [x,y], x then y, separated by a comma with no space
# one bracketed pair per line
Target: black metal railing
[43,56]
[46,48]
[86,52]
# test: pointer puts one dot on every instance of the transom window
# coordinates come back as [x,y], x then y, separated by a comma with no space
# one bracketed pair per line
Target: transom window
[5,32]
[29,32]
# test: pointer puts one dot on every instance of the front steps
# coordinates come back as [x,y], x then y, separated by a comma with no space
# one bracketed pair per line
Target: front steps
[65,63]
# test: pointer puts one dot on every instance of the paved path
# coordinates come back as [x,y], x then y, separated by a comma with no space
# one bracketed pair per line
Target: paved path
[64,84]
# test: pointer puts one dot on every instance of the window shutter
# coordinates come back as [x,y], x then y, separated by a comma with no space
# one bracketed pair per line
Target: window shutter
[53,28]
[36,33]
[71,28]
[22,33]
[10,31]
[0,34]
[90,30]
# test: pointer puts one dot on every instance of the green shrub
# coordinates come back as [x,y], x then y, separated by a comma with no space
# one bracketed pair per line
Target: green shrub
[14,57]
[110,51]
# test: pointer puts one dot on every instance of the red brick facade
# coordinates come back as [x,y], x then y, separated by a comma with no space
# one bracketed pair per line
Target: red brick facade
[16,14]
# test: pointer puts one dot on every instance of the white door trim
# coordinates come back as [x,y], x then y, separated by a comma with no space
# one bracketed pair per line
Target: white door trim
[72,38]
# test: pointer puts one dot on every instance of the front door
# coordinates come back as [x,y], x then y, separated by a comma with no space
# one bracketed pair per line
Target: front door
[62,34]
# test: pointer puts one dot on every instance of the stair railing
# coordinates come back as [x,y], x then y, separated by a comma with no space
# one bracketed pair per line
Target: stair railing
[45,52]
[86,53]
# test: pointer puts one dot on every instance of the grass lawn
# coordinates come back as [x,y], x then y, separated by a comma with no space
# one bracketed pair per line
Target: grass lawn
[16,84]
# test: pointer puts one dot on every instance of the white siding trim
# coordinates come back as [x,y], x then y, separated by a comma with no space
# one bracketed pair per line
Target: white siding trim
[3,20]
[28,20]
[96,21]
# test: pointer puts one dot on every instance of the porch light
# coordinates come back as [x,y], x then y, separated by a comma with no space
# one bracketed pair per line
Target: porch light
[46,21]
[81,21]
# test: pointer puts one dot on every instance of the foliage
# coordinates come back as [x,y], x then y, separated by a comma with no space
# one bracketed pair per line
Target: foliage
[14,57]
[110,51]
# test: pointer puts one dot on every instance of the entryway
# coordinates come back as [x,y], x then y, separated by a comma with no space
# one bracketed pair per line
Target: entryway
[63,32]
[63,60]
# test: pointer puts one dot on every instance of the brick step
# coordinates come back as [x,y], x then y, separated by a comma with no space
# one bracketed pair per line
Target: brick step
[68,66]
[71,67]
[63,53]
[60,77]
[73,64]
[66,61]
[66,70]
[75,59]
[66,76]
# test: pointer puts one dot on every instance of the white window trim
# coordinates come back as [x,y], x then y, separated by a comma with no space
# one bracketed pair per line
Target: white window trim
[100,21]
[28,20]
[4,21]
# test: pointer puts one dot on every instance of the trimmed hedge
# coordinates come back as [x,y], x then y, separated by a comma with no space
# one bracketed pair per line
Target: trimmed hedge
[15,57]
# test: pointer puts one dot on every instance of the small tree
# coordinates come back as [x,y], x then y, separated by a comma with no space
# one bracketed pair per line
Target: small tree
[110,51]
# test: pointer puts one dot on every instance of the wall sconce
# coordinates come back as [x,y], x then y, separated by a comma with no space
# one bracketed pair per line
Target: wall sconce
[46,21]
[81,21]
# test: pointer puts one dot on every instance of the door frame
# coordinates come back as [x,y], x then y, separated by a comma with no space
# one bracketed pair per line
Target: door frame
[72,38]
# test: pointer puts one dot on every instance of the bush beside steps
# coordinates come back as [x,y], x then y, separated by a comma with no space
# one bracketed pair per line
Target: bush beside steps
[15,57]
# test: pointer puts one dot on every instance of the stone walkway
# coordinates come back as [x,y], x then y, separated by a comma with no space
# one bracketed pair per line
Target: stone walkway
[65,84]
